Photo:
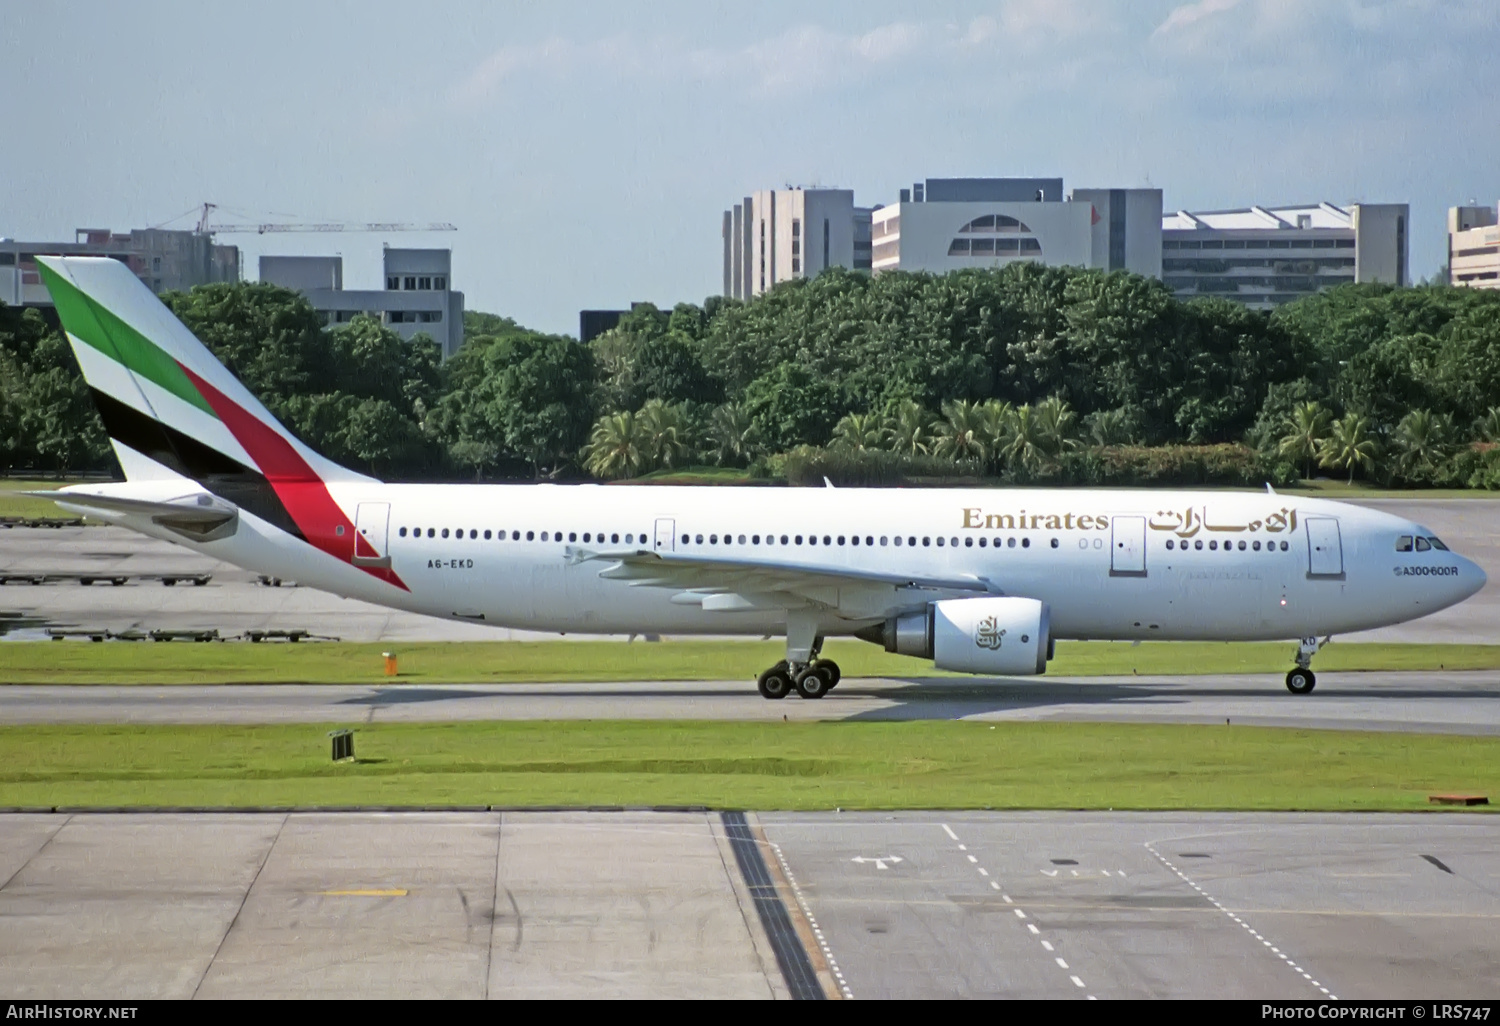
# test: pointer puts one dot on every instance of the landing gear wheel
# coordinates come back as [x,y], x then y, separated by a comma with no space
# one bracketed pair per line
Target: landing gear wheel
[1301,682]
[814,682]
[829,669]
[775,683]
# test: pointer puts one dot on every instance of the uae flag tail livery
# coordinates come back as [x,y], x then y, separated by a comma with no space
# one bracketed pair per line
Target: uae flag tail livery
[196,447]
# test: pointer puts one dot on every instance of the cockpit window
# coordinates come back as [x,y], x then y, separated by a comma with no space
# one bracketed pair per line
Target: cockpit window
[1403,543]
[1438,544]
[1423,545]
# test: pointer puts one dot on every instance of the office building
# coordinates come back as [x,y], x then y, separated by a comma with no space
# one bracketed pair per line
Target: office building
[418,296]
[593,323]
[1266,256]
[1474,247]
[776,235]
[945,224]
[166,261]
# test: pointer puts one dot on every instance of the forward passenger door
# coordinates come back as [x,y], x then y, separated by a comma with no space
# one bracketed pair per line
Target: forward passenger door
[1127,557]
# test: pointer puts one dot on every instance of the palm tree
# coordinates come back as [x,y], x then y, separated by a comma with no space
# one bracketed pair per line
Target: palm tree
[1111,427]
[614,448]
[1058,424]
[858,432]
[1488,426]
[1025,445]
[733,434]
[1350,444]
[664,435]
[907,429]
[1424,441]
[964,432]
[1306,429]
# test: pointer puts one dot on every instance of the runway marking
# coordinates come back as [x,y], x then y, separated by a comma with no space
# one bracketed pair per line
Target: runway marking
[833,965]
[367,892]
[1247,927]
[1020,914]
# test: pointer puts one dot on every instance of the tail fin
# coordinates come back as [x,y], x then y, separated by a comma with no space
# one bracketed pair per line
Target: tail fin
[174,411]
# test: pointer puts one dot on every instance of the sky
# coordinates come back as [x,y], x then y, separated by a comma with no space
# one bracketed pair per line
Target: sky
[586,152]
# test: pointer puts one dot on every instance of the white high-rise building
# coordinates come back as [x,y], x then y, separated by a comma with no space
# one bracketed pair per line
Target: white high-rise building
[945,224]
[776,235]
[1474,247]
[1266,256]
[418,296]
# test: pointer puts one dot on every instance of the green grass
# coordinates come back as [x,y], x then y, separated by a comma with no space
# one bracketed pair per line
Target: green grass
[1329,489]
[744,765]
[697,476]
[77,662]
[15,505]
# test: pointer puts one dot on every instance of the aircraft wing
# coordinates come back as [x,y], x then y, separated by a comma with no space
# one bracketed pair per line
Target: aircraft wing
[713,575]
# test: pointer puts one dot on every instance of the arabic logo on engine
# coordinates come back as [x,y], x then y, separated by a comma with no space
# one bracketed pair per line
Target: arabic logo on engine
[988,633]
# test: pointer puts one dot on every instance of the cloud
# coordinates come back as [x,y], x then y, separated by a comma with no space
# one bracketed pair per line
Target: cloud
[1191,14]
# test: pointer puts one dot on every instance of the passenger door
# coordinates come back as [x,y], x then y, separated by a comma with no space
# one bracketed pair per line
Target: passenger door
[372,524]
[1127,557]
[1325,550]
[666,535]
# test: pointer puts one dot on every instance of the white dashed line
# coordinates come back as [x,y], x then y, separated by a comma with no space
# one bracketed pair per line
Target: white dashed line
[1248,928]
[833,965]
[1020,914]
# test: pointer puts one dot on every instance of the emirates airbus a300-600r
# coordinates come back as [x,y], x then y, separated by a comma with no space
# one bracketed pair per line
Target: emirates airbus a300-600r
[981,581]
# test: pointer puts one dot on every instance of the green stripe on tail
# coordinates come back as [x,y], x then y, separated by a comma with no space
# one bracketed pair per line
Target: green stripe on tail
[95,326]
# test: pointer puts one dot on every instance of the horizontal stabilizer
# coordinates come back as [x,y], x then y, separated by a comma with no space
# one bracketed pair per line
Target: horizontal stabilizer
[200,515]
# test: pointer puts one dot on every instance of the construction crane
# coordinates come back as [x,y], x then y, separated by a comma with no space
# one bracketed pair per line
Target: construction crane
[204,228]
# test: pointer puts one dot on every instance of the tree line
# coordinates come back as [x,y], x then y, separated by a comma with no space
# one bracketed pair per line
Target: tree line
[1024,373]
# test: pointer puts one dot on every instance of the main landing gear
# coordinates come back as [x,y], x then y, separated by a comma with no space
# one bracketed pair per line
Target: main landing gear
[810,680]
[1302,680]
[801,671]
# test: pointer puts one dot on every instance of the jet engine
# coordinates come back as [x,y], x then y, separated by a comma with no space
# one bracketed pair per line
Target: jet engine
[1000,635]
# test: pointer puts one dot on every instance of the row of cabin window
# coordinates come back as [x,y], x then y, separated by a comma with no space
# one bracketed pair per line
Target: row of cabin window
[1270,545]
[474,535]
[869,540]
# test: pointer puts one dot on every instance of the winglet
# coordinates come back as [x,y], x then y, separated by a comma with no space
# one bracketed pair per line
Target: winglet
[826,482]
[1269,489]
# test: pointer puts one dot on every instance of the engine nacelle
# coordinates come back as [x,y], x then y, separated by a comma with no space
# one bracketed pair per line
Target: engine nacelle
[1001,635]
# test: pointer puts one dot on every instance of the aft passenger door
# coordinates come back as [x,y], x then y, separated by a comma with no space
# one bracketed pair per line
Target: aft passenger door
[372,524]
[1127,556]
[1325,550]
[666,535]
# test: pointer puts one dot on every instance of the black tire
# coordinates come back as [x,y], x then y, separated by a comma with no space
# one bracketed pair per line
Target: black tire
[1301,682]
[814,682]
[775,683]
[830,670]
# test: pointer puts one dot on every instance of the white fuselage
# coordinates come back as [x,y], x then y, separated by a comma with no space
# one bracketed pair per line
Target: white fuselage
[1111,564]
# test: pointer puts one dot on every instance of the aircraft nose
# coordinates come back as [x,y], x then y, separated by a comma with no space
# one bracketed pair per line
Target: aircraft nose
[1470,577]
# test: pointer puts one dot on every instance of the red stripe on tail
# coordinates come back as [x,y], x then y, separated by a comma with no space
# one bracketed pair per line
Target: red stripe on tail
[296,484]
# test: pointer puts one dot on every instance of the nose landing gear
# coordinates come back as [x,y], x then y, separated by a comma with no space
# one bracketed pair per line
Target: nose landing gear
[1302,680]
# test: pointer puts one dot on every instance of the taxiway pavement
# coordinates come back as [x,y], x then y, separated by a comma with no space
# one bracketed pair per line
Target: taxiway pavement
[640,904]
[1458,703]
